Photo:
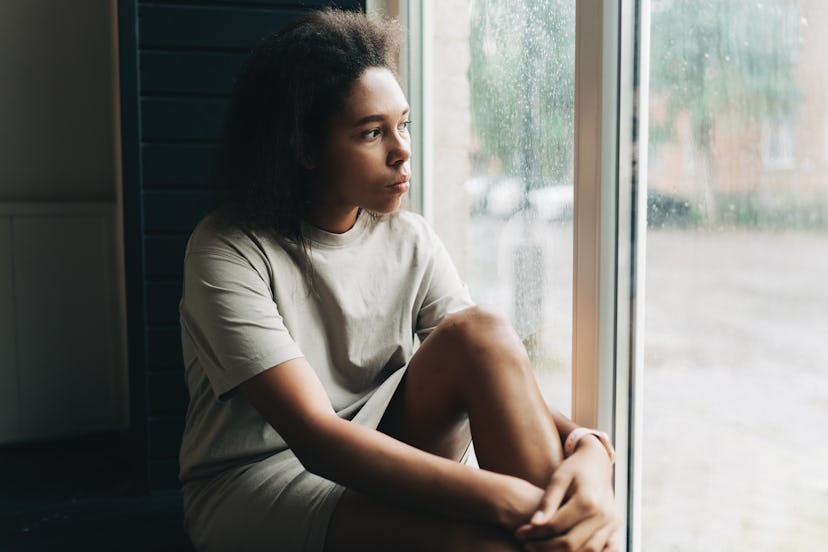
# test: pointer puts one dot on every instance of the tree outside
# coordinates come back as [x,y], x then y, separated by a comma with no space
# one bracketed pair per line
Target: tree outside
[522,89]
[723,74]
[521,79]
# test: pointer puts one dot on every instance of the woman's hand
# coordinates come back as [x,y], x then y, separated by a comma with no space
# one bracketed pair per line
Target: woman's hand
[577,511]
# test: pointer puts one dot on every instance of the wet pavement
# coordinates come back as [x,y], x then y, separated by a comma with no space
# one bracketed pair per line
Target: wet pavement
[736,392]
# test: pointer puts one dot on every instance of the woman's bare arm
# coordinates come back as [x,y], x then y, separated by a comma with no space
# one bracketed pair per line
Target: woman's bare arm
[292,399]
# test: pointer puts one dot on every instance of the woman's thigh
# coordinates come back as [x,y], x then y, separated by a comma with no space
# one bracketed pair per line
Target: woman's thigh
[362,523]
[445,376]
[425,413]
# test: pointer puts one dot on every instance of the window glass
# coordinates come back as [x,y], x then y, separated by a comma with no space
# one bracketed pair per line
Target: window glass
[735,394]
[501,111]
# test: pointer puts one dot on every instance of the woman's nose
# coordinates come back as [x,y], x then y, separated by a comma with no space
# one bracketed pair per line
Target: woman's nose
[400,149]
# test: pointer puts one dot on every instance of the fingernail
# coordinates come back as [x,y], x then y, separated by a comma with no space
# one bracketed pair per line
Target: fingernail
[538,517]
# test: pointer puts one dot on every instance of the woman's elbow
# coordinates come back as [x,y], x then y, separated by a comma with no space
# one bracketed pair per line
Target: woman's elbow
[314,446]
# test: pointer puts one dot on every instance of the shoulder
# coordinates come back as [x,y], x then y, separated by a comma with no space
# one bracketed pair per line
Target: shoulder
[217,245]
[215,233]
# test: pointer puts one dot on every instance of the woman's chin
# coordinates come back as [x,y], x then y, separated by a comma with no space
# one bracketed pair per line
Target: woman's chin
[387,208]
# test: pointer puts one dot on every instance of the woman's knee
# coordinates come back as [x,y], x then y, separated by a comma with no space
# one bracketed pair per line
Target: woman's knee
[474,346]
[481,328]
[471,322]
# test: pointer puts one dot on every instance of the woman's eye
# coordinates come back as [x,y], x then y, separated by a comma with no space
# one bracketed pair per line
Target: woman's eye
[373,133]
[405,125]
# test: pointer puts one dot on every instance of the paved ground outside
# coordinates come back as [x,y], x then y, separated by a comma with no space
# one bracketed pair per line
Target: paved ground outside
[736,391]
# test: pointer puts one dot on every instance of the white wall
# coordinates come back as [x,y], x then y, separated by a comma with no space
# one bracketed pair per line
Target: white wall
[60,224]
[58,134]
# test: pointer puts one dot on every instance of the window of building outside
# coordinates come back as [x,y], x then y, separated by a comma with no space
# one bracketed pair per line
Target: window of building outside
[500,163]
[735,399]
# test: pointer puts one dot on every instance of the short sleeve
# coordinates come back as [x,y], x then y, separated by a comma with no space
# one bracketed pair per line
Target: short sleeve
[231,318]
[445,292]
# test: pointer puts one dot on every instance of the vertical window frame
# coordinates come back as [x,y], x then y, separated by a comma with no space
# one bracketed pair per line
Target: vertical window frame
[611,105]
[415,66]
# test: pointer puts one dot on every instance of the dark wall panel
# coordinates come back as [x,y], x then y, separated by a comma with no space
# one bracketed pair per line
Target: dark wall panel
[164,348]
[167,392]
[176,212]
[209,27]
[176,165]
[165,436]
[162,302]
[175,119]
[197,73]
[163,474]
[345,4]
[164,256]
[179,61]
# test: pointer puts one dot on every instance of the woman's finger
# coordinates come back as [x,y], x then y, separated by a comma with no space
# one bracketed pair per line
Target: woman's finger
[557,524]
[576,509]
[572,540]
[529,532]
[581,505]
[614,541]
[598,541]
[572,515]
[552,498]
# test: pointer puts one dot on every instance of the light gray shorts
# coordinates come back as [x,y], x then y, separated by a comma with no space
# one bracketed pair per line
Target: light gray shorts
[273,504]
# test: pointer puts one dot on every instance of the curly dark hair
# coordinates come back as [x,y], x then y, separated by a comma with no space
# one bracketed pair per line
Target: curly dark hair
[288,89]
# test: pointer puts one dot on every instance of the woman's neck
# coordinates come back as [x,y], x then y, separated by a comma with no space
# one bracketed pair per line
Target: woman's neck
[336,220]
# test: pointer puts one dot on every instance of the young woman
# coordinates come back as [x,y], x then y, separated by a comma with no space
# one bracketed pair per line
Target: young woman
[315,421]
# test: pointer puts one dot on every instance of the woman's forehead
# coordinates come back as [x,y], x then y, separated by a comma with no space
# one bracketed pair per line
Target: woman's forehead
[376,92]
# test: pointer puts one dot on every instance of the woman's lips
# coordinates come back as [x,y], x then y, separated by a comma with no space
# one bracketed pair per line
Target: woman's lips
[400,186]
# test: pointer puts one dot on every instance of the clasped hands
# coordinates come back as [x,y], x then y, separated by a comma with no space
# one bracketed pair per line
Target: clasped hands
[577,511]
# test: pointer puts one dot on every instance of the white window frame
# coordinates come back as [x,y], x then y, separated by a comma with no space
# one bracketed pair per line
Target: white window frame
[415,66]
[611,101]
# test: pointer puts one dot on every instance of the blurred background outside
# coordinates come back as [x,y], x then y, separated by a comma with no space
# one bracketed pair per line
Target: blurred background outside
[735,384]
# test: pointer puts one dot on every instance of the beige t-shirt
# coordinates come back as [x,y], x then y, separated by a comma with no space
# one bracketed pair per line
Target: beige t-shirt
[246,308]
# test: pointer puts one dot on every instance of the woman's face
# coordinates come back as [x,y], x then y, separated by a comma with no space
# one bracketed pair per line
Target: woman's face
[364,162]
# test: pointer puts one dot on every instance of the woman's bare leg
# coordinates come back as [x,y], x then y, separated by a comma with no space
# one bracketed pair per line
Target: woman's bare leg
[362,523]
[474,367]
[470,376]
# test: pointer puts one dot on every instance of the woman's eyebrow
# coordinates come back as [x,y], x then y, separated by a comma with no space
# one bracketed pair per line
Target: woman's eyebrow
[377,118]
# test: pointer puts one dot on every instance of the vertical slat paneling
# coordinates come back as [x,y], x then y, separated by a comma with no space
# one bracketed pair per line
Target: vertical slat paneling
[208,27]
[164,348]
[162,302]
[175,212]
[170,166]
[198,73]
[189,53]
[165,436]
[167,392]
[165,255]
[176,119]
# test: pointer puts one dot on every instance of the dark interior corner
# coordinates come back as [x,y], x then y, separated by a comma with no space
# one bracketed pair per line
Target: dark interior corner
[82,494]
